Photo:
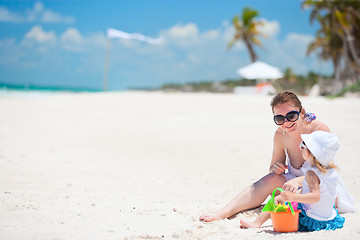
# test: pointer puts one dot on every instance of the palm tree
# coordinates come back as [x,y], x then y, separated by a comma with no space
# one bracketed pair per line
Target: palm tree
[289,76]
[246,30]
[329,46]
[340,22]
[348,17]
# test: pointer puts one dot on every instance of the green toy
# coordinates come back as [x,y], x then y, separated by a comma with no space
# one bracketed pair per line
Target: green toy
[271,207]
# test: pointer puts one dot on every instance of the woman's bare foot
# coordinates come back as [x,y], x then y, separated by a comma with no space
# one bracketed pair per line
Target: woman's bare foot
[247,224]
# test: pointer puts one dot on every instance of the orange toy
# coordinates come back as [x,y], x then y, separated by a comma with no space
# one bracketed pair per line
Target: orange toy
[285,221]
[283,218]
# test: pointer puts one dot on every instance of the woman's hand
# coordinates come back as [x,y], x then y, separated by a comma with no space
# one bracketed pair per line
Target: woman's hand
[278,168]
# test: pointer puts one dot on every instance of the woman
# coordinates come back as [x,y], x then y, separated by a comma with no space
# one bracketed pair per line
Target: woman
[293,121]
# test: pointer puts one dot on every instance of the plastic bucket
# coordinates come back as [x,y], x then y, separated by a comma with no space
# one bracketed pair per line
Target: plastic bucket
[285,221]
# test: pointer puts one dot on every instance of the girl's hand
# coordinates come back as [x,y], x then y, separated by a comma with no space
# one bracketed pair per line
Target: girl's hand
[287,196]
[291,186]
[278,168]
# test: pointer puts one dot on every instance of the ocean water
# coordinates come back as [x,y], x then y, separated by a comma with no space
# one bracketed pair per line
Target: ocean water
[28,87]
[31,91]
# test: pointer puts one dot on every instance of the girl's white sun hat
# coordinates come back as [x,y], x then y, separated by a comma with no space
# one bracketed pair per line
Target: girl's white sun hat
[323,145]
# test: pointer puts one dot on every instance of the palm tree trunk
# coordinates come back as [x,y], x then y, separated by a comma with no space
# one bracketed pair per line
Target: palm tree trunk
[251,51]
[337,81]
[350,40]
[349,72]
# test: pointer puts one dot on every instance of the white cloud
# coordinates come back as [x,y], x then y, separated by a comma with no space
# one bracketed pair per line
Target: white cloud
[190,39]
[211,34]
[39,39]
[181,35]
[192,58]
[7,16]
[297,43]
[72,40]
[49,16]
[299,38]
[10,53]
[97,39]
[269,28]
[37,14]
[37,34]
[291,52]
[184,31]
[34,14]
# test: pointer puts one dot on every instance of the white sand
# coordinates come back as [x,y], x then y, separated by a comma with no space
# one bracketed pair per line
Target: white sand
[140,165]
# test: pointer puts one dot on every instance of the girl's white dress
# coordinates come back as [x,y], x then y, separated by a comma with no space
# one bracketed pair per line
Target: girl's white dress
[322,214]
[345,200]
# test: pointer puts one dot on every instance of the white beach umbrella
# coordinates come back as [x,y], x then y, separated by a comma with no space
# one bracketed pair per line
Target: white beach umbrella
[260,70]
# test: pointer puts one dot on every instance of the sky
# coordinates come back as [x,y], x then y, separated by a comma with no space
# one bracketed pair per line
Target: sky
[64,43]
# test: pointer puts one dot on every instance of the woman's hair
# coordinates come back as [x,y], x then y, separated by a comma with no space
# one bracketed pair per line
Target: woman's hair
[286,97]
[321,167]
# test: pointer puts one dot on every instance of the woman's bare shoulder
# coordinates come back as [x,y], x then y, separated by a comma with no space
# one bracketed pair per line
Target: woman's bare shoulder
[320,126]
[278,134]
[279,137]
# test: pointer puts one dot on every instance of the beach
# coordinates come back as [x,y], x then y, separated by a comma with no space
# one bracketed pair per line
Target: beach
[146,165]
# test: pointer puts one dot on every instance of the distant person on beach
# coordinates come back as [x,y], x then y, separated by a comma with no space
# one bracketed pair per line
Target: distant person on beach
[293,121]
[317,198]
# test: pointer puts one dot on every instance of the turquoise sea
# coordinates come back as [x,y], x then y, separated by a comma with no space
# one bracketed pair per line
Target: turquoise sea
[29,87]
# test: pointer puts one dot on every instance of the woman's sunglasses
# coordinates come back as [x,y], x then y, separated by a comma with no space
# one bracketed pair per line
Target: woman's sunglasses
[290,116]
[302,145]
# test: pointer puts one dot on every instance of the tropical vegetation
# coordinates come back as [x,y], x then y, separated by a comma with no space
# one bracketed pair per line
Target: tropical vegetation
[301,84]
[246,30]
[338,37]
[225,86]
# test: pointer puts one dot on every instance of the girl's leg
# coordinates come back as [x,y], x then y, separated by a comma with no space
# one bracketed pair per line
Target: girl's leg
[250,197]
[263,217]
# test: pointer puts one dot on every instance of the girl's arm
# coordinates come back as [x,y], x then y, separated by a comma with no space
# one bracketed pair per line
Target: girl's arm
[293,184]
[312,197]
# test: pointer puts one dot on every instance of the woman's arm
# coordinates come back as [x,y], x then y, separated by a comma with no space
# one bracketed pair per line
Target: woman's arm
[277,164]
[313,196]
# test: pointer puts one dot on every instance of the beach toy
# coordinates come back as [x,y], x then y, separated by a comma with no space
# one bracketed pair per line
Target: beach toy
[294,205]
[281,208]
[283,217]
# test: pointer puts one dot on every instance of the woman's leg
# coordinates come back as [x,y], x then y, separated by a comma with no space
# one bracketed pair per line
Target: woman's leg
[250,197]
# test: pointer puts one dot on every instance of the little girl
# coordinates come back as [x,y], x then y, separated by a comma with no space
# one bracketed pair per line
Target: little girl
[318,195]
